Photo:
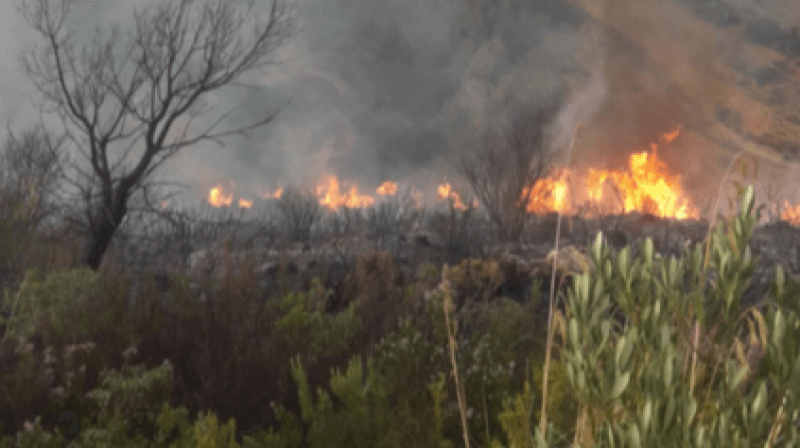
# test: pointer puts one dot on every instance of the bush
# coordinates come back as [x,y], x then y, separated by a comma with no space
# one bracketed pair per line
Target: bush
[658,353]
[309,330]
[65,305]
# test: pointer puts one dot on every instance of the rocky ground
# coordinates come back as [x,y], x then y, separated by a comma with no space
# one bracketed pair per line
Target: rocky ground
[283,267]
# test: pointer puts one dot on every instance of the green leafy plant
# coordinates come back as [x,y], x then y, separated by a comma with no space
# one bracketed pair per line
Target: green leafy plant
[658,353]
[306,324]
[66,303]
[360,416]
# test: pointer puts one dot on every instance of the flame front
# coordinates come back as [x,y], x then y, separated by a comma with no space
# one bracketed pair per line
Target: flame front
[328,191]
[217,198]
[387,188]
[646,186]
[547,194]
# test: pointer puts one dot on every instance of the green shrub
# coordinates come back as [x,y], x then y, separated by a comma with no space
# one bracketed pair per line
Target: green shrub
[129,401]
[66,304]
[34,437]
[308,329]
[658,352]
[361,416]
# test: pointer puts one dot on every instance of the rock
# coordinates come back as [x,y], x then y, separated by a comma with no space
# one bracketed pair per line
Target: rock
[569,259]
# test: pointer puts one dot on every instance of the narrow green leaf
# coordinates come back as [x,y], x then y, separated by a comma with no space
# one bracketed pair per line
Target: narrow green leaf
[689,411]
[647,416]
[573,333]
[634,438]
[747,200]
[648,250]
[760,401]
[620,384]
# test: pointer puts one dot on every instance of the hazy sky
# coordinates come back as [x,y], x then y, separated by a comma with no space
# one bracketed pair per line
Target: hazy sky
[400,89]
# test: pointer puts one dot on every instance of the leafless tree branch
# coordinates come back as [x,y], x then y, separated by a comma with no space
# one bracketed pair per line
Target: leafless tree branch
[138,85]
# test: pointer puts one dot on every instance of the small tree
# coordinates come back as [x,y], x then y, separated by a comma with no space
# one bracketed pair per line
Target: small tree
[31,170]
[504,170]
[174,61]
[300,211]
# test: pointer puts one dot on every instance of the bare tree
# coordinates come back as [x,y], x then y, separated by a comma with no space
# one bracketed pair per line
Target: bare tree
[176,54]
[504,171]
[300,210]
[31,170]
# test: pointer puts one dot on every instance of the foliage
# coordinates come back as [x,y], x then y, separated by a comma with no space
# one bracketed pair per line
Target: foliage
[658,352]
[66,303]
[309,329]
[362,417]
[131,399]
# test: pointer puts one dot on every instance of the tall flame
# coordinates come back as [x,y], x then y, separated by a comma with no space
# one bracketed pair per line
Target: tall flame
[548,194]
[646,186]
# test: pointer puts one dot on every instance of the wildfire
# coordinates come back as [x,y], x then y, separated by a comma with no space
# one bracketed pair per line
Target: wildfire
[791,214]
[217,198]
[548,194]
[446,191]
[328,191]
[387,188]
[646,185]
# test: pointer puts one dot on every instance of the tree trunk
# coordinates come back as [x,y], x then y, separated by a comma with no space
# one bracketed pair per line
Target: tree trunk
[105,222]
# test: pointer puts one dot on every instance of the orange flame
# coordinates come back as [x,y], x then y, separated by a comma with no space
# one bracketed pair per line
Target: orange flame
[446,192]
[217,198]
[791,214]
[645,186]
[329,194]
[245,203]
[548,194]
[387,188]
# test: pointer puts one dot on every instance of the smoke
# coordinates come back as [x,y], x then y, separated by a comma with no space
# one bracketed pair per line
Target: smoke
[396,89]
[402,89]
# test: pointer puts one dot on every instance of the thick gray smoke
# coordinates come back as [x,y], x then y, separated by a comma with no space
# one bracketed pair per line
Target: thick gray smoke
[398,89]
[395,89]
[401,89]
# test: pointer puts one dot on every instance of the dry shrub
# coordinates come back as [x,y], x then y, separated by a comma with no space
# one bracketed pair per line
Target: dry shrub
[375,283]
[504,170]
[300,211]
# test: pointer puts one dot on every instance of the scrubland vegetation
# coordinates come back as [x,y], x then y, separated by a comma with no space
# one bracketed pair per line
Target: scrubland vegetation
[645,351]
